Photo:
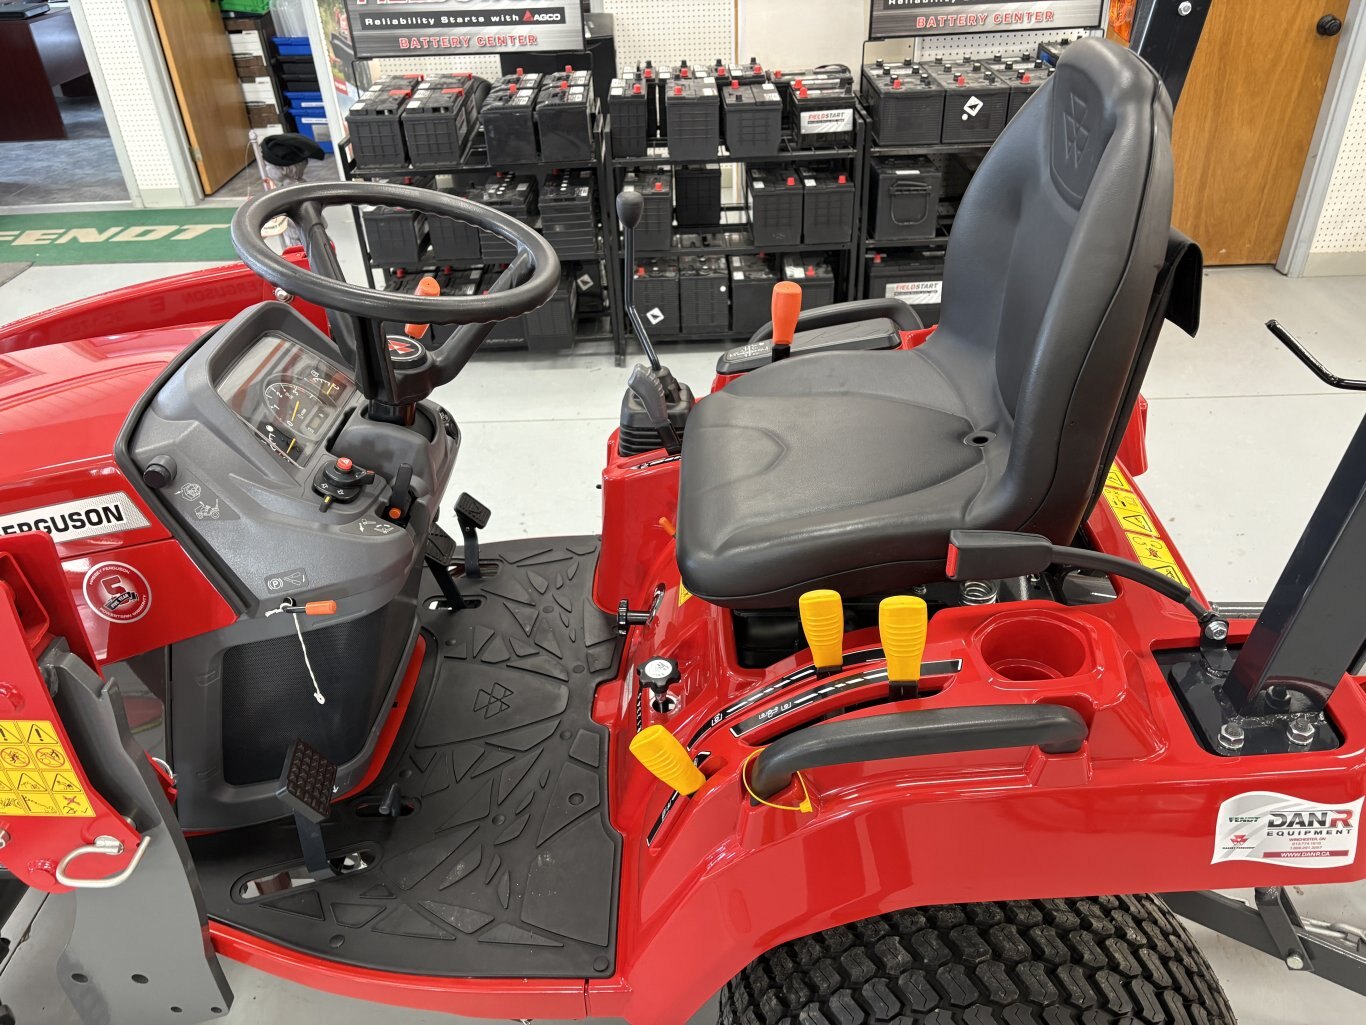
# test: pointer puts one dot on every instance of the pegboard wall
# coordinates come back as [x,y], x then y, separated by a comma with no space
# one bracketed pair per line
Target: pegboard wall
[985,44]
[114,36]
[1342,223]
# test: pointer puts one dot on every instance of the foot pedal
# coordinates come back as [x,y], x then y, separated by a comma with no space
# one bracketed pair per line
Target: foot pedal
[473,516]
[305,788]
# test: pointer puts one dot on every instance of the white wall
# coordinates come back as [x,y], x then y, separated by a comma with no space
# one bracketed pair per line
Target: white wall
[1339,245]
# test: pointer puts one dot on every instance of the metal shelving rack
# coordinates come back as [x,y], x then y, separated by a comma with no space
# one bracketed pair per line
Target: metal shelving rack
[734,216]
[610,321]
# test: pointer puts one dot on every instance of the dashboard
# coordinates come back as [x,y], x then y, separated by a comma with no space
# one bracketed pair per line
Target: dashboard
[291,397]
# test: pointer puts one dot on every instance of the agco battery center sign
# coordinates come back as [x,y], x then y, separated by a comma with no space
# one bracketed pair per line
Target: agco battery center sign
[398,28]
[894,19]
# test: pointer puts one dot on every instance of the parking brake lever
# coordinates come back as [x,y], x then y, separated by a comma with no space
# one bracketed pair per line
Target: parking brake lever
[648,388]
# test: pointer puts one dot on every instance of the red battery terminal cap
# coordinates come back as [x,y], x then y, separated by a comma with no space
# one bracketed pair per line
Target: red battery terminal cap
[735,83]
[1025,77]
[810,272]
[791,180]
[569,69]
[520,71]
[640,272]
[877,257]
[756,68]
[803,93]
[678,90]
[961,80]
[684,72]
[512,89]
[564,85]
[636,89]
[659,186]
[896,83]
[649,72]
[844,179]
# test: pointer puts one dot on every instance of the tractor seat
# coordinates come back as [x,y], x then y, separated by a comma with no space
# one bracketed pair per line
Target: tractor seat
[849,469]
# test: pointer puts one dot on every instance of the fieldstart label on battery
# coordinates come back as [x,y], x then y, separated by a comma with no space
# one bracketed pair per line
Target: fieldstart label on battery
[820,122]
[1283,830]
[82,518]
[916,293]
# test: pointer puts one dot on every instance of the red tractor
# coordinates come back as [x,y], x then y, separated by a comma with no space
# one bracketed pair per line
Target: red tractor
[881,679]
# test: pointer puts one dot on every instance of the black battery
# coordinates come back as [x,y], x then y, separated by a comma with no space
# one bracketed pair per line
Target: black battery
[654,233]
[775,206]
[588,277]
[697,195]
[976,103]
[915,277]
[704,295]
[822,115]
[785,81]
[453,241]
[506,334]
[753,119]
[752,73]
[462,283]
[751,292]
[656,294]
[512,194]
[905,194]
[550,328]
[568,218]
[827,207]
[375,127]
[628,107]
[1024,83]
[564,116]
[905,104]
[436,123]
[395,237]
[694,119]
[815,276]
[509,120]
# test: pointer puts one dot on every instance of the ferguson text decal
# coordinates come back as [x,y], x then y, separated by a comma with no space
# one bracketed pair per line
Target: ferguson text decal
[72,521]
[1281,830]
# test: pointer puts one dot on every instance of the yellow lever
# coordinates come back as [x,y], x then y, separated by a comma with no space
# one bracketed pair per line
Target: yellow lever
[665,756]
[822,615]
[902,622]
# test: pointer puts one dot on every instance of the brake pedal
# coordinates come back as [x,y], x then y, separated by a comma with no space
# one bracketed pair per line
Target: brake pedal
[473,516]
[306,784]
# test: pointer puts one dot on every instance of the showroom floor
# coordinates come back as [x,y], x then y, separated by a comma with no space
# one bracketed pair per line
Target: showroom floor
[80,168]
[1241,438]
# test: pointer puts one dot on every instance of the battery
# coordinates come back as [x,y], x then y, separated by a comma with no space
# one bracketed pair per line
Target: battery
[394,237]
[568,219]
[627,105]
[905,104]
[704,295]
[506,334]
[1024,83]
[462,283]
[785,81]
[509,120]
[512,194]
[905,194]
[916,278]
[753,117]
[827,207]
[588,278]
[694,119]
[976,103]
[815,276]
[564,116]
[436,123]
[751,292]
[655,286]
[375,127]
[550,328]
[697,195]
[453,241]
[654,233]
[821,113]
[775,206]
[746,74]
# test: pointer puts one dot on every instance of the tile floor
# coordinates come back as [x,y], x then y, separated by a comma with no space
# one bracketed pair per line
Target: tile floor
[79,169]
[1242,440]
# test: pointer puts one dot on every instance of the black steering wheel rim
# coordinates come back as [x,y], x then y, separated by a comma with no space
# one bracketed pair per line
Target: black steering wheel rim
[535,269]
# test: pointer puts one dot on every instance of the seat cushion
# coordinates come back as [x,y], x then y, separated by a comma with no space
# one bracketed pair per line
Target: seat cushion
[844,470]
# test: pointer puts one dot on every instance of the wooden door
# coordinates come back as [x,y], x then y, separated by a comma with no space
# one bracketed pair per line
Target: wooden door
[205,79]
[1245,121]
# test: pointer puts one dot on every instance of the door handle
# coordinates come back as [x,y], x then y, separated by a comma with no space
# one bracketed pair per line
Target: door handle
[1329,25]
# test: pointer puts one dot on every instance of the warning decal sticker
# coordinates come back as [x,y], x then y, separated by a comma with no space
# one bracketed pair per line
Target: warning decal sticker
[1268,827]
[36,777]
[1140,527]
[683,593]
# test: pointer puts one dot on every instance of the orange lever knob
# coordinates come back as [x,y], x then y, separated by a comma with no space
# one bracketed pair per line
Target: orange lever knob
[787,307]
[320,608]
[427,287]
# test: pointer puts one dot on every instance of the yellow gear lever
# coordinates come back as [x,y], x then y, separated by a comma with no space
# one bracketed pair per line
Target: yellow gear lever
[822,615]
[664,755]
[902,621]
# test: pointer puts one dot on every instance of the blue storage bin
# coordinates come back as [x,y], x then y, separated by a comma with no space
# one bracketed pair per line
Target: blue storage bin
[315,128]
[292,46]
[305,101]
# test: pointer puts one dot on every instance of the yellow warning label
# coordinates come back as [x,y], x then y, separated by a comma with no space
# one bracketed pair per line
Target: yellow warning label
[683,593]
[35,773]
[1138,526]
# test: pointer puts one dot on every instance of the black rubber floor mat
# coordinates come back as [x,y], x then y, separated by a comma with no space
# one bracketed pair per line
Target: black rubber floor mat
[508,865]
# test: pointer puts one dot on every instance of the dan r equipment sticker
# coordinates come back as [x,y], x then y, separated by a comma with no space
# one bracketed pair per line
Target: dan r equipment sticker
[1267,827]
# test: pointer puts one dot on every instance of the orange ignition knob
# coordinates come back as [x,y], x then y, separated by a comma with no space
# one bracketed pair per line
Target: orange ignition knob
[787,307]
[428,287]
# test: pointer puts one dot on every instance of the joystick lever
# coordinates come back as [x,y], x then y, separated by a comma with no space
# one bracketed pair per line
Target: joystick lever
[787,307]
[650,391]
[630,207]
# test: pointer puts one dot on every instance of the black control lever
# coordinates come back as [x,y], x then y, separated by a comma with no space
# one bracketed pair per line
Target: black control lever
[649,389]
[473,516]
[400,501]
[1311,361]
[630,207]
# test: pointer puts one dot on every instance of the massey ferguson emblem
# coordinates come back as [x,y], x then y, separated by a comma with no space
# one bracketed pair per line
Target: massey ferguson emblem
[404,350]
[973,107]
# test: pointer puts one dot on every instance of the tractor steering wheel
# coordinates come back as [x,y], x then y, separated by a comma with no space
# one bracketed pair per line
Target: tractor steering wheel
[356,313]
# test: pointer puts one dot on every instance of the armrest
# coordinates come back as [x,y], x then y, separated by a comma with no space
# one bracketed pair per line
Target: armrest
[864,325]
[898,312]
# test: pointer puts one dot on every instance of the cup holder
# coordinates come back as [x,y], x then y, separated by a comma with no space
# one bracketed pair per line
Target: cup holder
[1032,649]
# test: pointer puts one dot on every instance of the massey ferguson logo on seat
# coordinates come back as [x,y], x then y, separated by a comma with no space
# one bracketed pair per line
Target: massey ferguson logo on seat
[404,350]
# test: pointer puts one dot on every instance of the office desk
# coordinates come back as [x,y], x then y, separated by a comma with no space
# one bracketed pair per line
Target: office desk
[39,54]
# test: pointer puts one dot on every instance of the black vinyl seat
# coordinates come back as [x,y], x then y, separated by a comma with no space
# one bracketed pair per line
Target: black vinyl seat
[848,470]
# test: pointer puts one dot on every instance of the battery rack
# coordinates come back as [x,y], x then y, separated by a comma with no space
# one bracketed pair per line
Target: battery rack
[731,236]
[601,322]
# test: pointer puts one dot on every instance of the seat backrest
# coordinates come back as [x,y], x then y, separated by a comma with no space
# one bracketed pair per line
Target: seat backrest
[1050,272]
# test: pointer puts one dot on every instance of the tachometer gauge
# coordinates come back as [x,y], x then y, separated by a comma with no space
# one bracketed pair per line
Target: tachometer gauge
[293,405]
